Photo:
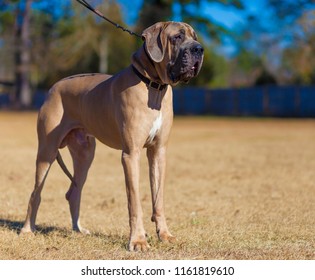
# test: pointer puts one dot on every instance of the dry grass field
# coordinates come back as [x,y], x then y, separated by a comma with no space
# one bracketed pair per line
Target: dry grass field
[235,189]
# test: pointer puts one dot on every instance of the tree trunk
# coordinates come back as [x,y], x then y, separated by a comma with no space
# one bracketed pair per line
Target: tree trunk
[23,94]
[103,64]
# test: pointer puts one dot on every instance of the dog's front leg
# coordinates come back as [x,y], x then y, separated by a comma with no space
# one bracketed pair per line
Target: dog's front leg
[157,163]
[131,164]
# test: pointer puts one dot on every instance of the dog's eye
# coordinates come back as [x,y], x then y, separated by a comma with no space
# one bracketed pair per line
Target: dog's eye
[177,38]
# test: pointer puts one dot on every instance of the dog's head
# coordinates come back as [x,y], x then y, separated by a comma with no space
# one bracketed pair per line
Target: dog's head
[175,51]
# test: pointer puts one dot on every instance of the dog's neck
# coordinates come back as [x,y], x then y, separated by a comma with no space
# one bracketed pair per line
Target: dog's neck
[145,66]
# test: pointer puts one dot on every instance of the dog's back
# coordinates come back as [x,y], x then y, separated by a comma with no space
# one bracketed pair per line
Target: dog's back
[64,96]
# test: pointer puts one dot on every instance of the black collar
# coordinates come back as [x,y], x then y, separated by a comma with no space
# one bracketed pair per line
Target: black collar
[148,82]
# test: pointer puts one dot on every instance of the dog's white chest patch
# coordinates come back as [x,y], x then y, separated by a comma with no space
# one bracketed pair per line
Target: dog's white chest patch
[155,128]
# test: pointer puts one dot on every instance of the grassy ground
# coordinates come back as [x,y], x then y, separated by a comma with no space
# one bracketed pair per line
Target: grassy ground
[235,189]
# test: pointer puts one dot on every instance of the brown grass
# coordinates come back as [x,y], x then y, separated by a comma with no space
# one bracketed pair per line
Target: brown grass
[236,189]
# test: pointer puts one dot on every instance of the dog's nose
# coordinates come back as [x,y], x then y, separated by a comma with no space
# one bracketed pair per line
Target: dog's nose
[197,49]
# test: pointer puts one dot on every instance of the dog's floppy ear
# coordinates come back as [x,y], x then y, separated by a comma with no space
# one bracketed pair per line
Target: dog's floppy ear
[155,41]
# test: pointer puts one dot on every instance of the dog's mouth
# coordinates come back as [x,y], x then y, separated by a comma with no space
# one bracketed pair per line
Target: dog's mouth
[195,68]
[186,67]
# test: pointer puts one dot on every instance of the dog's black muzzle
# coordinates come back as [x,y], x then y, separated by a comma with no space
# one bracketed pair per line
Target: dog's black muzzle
[188,62]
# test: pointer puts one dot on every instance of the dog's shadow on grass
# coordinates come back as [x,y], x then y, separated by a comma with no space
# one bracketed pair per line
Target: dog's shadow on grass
[16,226]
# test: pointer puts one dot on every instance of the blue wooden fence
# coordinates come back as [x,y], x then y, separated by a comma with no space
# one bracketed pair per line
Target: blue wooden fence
[269,101]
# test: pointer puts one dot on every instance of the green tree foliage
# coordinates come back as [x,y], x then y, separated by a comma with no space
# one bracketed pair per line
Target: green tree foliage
[65,39]
[298,59]
[88,44]
[154,11]
[265,78]
[282,39]
[245,68]
[295,21]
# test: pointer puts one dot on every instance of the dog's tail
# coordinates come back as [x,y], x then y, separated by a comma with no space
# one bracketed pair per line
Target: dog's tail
[65,169]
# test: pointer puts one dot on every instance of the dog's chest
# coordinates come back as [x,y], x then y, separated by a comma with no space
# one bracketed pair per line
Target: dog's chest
[156,126]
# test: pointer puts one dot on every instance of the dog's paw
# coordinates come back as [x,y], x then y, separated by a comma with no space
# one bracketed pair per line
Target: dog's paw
[82,231]
[138,245]
[26,231]
[85,231]
[166,237]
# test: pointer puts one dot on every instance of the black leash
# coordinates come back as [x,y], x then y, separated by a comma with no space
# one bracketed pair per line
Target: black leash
[97,12]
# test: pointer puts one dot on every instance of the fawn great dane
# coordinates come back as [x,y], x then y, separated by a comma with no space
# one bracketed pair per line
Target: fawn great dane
[128,111]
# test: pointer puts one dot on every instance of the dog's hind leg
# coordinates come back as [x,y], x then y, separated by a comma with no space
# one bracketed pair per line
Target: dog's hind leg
[45,157]
[82,149]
